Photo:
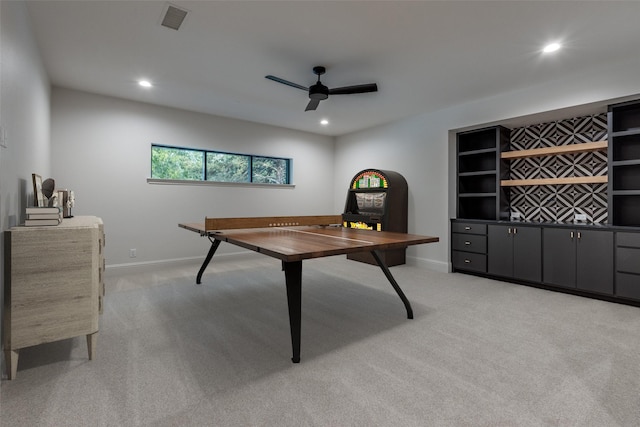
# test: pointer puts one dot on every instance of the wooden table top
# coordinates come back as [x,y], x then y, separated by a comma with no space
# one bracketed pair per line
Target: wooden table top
[306,242]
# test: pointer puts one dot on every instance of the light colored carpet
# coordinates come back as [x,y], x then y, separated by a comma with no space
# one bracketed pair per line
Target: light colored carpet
[478,353]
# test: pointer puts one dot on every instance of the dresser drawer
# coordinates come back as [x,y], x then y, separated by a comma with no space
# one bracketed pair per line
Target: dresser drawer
[628,260]
[468,227]
[469,261]
[628,239]
[469,242]
[628,285]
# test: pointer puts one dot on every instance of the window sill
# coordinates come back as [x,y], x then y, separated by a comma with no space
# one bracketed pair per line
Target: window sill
[216,183]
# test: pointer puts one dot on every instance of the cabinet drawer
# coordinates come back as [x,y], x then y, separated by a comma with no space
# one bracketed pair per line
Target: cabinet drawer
[628,285]
[468,227]
[470,261]
[627,260]
[628,239]
[469,242]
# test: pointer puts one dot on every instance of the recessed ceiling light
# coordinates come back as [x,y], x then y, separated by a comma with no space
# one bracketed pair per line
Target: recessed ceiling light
[324,122]
[145,83]
[551,47]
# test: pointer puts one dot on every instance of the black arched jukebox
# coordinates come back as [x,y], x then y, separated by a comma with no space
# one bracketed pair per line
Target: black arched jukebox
[378,201]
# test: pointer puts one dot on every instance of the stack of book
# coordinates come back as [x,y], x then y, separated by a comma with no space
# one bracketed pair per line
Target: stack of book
[37,217]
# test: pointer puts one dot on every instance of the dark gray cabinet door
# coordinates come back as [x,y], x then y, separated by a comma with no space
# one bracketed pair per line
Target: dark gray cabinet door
[527,253]
[499,250]
[515,252]
[559,257]
[595,261]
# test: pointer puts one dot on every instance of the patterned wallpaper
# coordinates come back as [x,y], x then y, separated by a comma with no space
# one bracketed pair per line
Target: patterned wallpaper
[560,203]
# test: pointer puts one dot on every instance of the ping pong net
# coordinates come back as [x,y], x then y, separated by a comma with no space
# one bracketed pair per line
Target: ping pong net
[212,224]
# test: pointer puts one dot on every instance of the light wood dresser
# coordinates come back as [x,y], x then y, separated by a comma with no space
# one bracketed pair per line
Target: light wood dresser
[54,285]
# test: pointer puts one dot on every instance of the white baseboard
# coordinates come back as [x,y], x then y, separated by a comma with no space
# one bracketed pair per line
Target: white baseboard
[442,267]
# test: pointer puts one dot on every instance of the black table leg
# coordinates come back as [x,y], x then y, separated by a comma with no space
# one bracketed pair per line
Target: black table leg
[293,278]
[212,250]
[395,285]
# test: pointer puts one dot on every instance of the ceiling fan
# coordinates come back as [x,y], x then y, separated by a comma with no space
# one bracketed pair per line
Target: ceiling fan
[319,92]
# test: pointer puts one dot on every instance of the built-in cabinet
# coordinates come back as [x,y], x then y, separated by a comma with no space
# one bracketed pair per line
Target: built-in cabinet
[483,165]
[579,259]
[515,252]
[469,246]
[53,285]
[479,172]
[624,164]
[600,261]
[628,265]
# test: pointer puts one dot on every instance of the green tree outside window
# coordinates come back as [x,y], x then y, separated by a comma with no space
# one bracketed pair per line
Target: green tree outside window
[176,163]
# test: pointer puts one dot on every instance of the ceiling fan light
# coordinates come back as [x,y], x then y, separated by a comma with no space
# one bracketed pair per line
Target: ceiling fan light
[551,47]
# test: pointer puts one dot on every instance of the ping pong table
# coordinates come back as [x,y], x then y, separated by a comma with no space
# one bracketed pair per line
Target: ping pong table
[293,239]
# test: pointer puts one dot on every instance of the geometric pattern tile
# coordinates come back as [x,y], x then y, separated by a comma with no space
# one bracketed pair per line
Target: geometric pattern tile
[564,166]
[583,125]
[565,214]
[582,164]
[600,131]
[560,202]
[599,163]
[599,215]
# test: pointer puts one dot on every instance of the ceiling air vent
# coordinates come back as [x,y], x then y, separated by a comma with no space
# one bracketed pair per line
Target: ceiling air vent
[174,17]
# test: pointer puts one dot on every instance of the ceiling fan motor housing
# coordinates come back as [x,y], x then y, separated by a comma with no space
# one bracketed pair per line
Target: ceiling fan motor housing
[318,91]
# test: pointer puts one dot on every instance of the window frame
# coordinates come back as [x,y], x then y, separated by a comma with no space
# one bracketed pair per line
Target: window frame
[250,182]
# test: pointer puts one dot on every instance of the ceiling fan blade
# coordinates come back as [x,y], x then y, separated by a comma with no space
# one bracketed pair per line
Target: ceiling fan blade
[286,82]
[312,105]
[348,90]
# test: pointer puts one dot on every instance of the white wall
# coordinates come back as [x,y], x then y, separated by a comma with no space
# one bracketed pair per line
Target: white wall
[422,148]
[24,114]
[101,148]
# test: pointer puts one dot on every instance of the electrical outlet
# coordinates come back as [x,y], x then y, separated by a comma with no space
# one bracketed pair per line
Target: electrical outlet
[132,253]
[515,215]
[581,217]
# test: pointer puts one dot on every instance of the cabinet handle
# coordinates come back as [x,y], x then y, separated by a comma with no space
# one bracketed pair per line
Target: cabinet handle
[579,236]
[466,261]
[515,230]
[467,228]
[467,243]
[572,234]
[509,231]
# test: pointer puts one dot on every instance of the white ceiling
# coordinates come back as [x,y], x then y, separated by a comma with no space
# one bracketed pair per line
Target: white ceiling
[424,55]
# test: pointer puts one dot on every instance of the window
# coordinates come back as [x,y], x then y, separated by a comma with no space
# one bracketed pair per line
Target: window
[174,163]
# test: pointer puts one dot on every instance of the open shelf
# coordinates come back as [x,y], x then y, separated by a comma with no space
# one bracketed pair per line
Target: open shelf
[474,152]
[625,147]
[626,210]
[625,117]
[626,177]
[635,162]
[478,207]
[478,172]
[555,181]
[479,140]
[626,192]
[624,164]
[560,149]
[477,195]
